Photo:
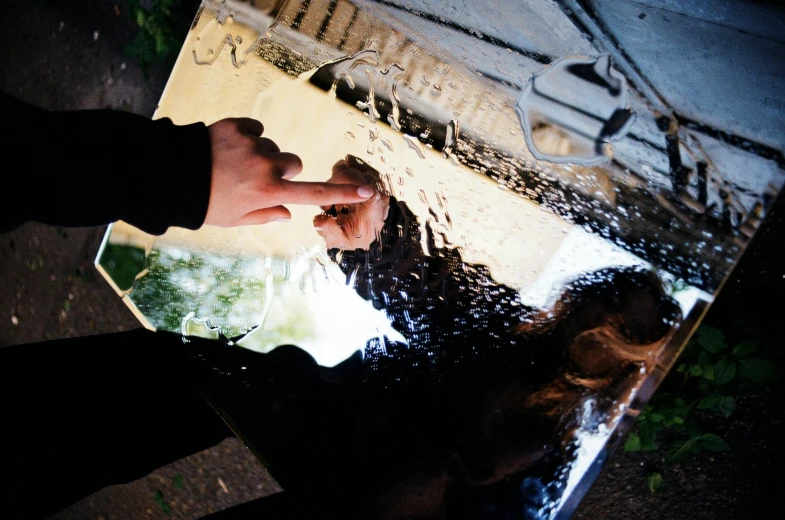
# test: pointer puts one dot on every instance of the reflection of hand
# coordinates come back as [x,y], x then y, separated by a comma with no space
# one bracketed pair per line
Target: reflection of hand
[353,226]
[251,178]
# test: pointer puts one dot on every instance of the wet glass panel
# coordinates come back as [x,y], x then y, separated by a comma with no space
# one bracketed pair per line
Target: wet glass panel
[554,215]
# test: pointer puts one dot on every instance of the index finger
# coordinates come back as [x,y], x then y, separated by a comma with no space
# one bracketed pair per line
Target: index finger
[322,193]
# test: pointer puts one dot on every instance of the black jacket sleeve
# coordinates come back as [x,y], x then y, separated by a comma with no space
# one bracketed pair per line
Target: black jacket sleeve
[92,167]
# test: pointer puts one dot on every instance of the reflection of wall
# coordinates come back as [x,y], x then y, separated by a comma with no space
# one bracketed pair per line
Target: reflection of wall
[428,76]
[626,200]
[492,232]
[644,183]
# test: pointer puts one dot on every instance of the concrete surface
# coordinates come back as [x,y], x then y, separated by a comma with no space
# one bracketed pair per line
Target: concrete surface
[69,55]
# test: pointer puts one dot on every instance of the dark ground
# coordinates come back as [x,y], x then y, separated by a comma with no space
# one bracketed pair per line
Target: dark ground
[68,55]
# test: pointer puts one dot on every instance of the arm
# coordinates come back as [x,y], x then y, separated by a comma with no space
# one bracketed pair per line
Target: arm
[92,167]
[87,168]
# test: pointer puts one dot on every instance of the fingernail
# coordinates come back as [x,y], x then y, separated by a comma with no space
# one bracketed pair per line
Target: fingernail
[283,219]
[365,191]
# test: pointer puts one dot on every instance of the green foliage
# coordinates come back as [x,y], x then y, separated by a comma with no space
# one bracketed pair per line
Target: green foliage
[163,25]
[159,499]
[708,380]
[36,264]
[123,263]
[655,482]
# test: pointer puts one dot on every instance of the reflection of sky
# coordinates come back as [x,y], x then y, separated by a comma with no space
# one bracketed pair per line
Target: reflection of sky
[589,442]
[582,252]
[302,300]
[320,314]
[309,304]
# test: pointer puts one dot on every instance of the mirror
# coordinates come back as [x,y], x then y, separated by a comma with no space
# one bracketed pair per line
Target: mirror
[547,233]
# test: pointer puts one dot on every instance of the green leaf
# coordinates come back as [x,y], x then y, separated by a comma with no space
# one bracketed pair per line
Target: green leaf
[649,446]
[696,371]
[655,417]
[710,402]
[711,339]
[682,368]
[655,482]
[706,360]
[726,405]
[648,434]
[141,17]
[713,442]
[724,370]
[745,348]
[633,443]
[680,452]
[159,499]
[758,370]
[693,427]
[161,46]
[178,481]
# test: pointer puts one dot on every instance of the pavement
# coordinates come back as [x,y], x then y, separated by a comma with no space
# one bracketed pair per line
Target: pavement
[68,55]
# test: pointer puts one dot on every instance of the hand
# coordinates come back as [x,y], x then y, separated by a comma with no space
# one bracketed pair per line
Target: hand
[251,178]
[353,226]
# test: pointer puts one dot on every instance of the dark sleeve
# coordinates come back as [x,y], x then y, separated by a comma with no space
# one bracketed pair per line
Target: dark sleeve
[92,167]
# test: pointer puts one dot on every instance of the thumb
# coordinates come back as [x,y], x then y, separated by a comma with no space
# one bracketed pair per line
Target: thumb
[263,216]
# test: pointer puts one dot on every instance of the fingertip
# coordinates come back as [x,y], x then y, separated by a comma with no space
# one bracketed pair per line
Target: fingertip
[366,192]
[284,215]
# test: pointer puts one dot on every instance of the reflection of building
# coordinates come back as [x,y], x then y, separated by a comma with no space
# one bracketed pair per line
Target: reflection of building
[655,176]
[665,191]
[432,82]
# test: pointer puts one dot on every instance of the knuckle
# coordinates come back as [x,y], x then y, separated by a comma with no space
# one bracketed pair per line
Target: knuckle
[319,191]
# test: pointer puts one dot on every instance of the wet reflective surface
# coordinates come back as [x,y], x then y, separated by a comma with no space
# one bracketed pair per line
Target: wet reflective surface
[467,343]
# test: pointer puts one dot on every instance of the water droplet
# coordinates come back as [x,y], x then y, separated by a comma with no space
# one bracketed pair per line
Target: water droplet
[370,103]
[415,145]
[451,138]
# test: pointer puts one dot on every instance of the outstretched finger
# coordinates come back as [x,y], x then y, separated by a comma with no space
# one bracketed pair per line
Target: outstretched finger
[263,216]
[323,194]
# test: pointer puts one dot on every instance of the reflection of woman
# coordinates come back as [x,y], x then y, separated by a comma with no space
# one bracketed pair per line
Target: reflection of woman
[492,386]
[445,308]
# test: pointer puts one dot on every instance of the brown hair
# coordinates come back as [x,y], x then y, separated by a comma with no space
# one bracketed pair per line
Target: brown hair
[613,325]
